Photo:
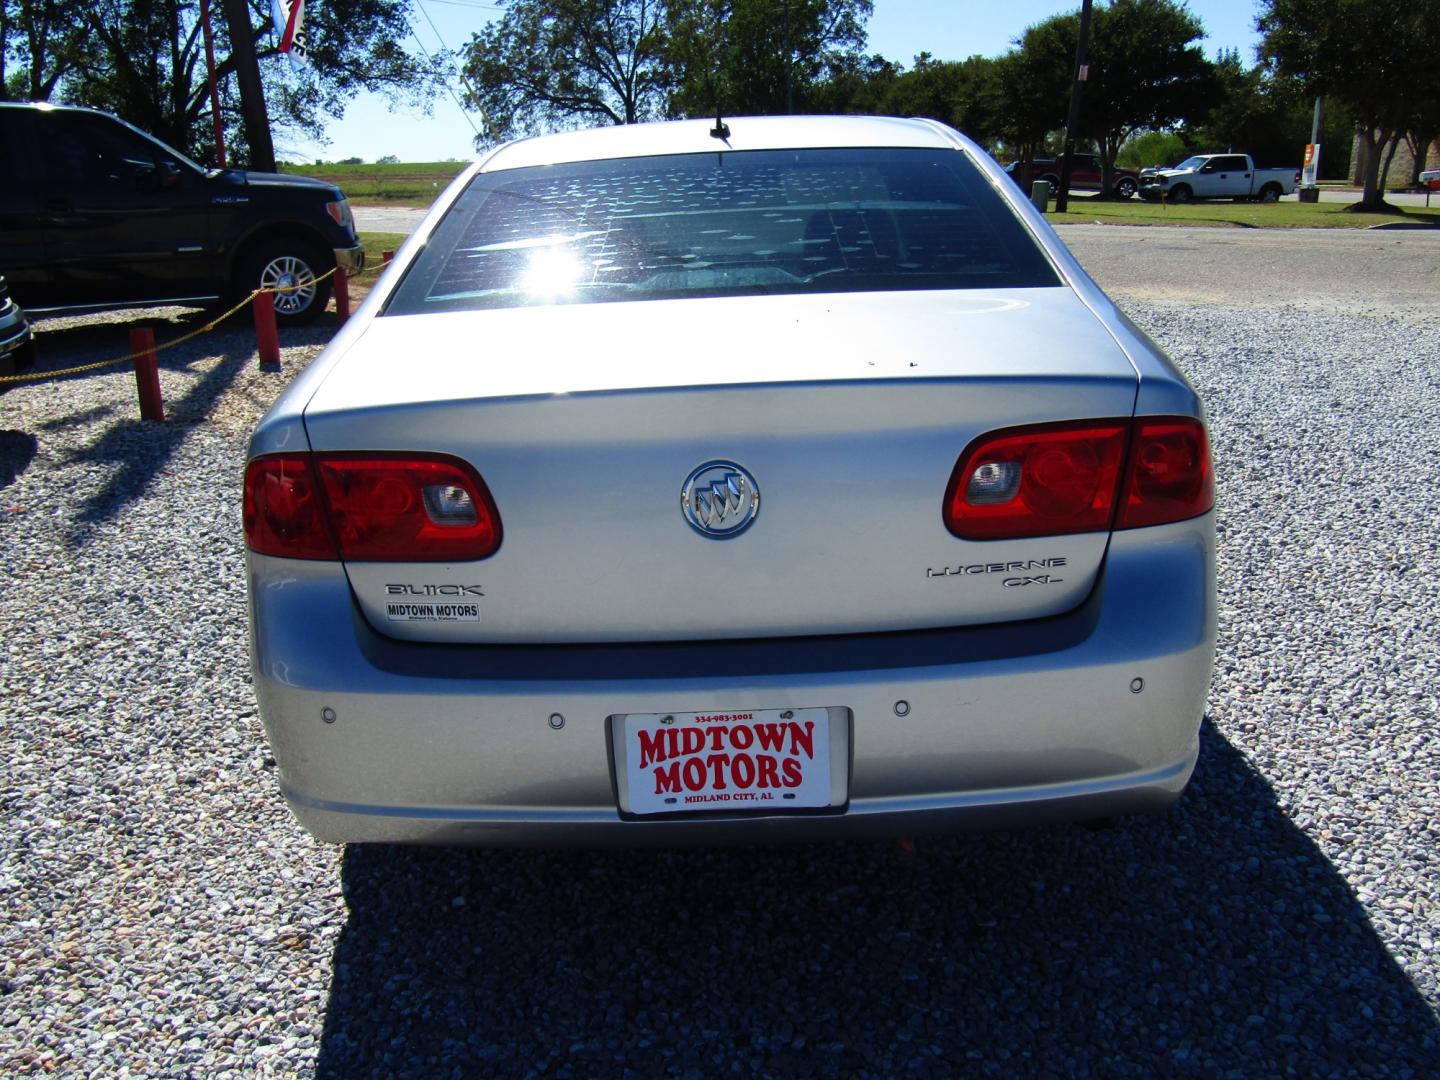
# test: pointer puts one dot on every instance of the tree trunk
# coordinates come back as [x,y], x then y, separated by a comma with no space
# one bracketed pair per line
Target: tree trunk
[1371,140]
[252,94]
[1389,158]
[1420,145]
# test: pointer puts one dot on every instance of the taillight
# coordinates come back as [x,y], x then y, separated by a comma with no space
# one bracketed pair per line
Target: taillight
[1054,479]
[1037,481]
[369,508]
[283,511]
[1170,475]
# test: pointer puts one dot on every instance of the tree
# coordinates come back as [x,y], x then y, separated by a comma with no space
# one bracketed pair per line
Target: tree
[1376,57]
[760,57]
[1147,71]
[551,63]
[1035,87]
[144,61]
[1253,113]
[966,94]
[1152,148]
[46,39]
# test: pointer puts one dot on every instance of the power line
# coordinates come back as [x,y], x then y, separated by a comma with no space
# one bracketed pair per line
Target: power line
[448,88]
[474,5]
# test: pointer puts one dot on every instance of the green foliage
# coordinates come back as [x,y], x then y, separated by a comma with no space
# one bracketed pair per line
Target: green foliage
[388,159]
[1376,57]
[405,183]
[144,60]
[555,63]
[1152,148]
[759,57]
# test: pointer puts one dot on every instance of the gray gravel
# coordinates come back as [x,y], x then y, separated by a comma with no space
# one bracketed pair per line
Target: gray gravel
[163,916]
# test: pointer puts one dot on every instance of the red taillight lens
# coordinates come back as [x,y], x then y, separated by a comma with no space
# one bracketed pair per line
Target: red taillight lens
[1170,475]
[1054,479]
[283,511]
[1037,481]
[377,508]
[409,508]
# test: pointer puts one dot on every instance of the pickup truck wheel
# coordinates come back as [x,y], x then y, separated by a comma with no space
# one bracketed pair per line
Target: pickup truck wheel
[1180,193]
[294,268]
[1126,187]
[1270,193]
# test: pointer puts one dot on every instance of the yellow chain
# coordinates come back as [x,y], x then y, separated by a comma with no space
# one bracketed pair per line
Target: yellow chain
[205,329]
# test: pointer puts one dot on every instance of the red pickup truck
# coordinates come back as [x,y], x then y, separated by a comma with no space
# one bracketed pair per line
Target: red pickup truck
[1085,175]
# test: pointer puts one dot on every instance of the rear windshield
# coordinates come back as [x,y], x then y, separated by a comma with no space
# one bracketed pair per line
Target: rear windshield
[723,224]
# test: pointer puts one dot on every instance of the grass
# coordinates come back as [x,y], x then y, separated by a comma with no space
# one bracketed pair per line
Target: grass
[403,184]
[1281,215]
[377,243]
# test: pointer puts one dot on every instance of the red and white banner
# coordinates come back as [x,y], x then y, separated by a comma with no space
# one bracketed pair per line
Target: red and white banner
[289,16]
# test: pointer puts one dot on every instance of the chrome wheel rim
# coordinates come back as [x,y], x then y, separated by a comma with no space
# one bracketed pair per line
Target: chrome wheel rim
[293,281]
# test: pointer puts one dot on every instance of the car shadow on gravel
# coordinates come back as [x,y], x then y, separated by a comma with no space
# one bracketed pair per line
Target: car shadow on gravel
[1214,938]
[17,450]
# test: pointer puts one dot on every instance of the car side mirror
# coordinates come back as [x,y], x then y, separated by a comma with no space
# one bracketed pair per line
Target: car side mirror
[1207,168]
[159,177]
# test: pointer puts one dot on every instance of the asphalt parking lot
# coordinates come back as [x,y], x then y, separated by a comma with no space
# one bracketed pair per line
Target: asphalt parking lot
[164,916]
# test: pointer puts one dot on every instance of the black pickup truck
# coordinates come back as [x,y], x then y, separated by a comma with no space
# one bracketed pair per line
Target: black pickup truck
[94,213]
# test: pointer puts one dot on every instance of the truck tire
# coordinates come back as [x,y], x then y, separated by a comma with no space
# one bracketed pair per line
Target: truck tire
[1180,193]
[291,265]
[1126,187]
[1270,193]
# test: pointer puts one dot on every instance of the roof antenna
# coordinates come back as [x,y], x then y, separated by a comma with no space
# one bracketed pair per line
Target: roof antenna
[721,130]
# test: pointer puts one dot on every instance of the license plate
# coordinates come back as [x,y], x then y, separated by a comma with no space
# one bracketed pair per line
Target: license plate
[769,760]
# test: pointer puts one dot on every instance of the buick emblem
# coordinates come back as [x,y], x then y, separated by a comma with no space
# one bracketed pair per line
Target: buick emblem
[720,499]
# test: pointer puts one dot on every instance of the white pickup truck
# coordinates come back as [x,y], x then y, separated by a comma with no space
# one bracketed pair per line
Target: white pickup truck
[1218,176]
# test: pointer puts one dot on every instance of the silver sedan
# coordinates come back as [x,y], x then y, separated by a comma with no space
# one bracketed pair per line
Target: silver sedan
[698,482]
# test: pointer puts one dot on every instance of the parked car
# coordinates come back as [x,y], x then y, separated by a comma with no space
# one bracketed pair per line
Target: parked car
[680,484]
[17,343]
[1219,176]
[97,214]
[1086,175]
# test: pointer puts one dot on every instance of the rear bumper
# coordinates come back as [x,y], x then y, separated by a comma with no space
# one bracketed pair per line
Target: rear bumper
[350,259]
[1092,713]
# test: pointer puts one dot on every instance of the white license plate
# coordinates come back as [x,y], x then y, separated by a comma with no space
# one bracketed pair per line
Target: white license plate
[769,760]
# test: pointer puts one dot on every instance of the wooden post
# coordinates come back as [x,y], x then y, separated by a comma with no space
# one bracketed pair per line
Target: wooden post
[147,374]
[342,295]
[266,336]
[386,258]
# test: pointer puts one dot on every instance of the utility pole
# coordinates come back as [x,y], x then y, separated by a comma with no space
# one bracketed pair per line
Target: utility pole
[252,95]
[1077,87]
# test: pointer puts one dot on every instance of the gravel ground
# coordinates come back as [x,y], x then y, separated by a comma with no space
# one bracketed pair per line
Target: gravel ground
[163,916]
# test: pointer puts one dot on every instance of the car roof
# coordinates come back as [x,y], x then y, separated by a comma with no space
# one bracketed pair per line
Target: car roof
[50,106]
[746,133]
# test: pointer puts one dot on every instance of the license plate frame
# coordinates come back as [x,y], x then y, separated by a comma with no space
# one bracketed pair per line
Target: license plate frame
[825,774]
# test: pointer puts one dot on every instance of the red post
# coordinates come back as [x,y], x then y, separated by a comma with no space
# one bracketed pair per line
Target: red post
[386,258]
[265,334]
[342,295]
[215,116]
[147,374]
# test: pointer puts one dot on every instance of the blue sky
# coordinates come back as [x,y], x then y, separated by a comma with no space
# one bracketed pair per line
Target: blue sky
[948,29]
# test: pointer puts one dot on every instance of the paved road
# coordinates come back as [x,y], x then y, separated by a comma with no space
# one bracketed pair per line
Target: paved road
[1333,271]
